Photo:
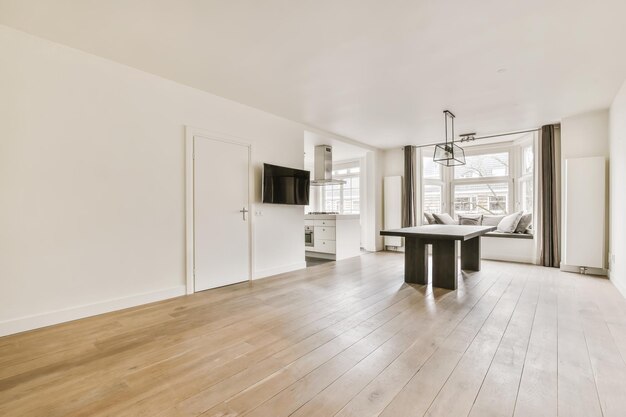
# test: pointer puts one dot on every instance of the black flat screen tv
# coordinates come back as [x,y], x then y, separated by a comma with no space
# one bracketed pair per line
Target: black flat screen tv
[282,185]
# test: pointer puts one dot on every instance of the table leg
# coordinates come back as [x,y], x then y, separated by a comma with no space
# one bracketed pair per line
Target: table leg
[445,255]
[470,254]
[415,261]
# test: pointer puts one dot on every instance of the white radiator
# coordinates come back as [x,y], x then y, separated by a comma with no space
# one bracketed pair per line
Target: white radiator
[584,213]
[392,208]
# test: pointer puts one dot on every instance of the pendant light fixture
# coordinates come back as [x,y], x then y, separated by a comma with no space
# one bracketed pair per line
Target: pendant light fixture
[449,154]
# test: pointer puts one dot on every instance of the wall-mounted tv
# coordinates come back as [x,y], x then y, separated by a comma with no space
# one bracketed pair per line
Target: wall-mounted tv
[282,185]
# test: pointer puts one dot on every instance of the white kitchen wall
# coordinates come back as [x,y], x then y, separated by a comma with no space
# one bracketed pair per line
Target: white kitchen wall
[617,140]
[92,182]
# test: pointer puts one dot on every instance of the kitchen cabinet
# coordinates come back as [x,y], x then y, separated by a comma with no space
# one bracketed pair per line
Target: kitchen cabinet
[335,236]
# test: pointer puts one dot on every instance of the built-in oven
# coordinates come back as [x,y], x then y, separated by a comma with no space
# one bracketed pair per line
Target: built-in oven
[308,235]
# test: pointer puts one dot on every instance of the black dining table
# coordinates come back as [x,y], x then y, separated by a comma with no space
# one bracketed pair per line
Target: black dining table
[445,250]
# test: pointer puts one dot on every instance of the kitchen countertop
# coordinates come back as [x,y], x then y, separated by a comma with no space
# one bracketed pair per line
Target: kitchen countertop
[331,216]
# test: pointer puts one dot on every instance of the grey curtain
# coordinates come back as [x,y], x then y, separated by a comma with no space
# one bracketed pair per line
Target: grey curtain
[550,200]
[409,190]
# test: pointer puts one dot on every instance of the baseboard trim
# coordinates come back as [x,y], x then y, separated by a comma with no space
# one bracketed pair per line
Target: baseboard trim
[576,269]
[320,255]
[263,273]
[509,259]
[515,259]
[50,318]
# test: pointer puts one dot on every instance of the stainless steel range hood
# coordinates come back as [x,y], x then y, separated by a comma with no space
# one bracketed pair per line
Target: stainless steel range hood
[323,166]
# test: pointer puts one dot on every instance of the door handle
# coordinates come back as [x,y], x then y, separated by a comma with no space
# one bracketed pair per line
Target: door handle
[243,212]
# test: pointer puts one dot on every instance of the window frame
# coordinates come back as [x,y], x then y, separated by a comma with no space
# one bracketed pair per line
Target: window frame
[440,182]
[522,176]
[503,179]
[344,165]
[515,175]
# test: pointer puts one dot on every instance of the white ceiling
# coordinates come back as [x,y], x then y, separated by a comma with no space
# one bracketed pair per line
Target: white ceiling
[342,151]
[380,72]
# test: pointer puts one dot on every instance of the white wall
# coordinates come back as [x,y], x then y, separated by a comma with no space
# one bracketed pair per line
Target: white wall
[617,140]
[372,207]
[92,182]
[583,135]
[394,162]
[394,166]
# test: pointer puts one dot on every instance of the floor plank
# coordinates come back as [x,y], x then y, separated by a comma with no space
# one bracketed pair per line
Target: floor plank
[364,367]
[577,393]
[537,394]
[344,338]
[435,372]
[608,365]
[498,392]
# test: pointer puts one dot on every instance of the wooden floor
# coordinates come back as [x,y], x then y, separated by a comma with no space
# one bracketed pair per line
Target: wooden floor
[339,339]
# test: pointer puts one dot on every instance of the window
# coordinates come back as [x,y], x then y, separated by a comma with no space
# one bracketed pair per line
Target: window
[433,198]
[332,198]
[432,170]
[482,166]
[527,159]
[482,185]
[350,200]
[465,204]
[496,179]
[433,189]
[344,198]
[526,179]
[526,189]
[487,198]
[497,203]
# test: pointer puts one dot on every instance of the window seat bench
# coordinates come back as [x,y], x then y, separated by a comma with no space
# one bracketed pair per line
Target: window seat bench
[511,247]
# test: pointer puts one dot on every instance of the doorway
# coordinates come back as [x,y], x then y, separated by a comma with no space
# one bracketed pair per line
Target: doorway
[220,212]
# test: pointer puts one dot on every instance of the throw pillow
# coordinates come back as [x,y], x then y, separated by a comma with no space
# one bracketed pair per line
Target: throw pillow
[509,223]
[471,219]
[430,219]
[524,223]
[491,220]
[444,218]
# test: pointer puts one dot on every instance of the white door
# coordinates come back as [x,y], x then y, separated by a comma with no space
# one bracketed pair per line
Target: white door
[221,203]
